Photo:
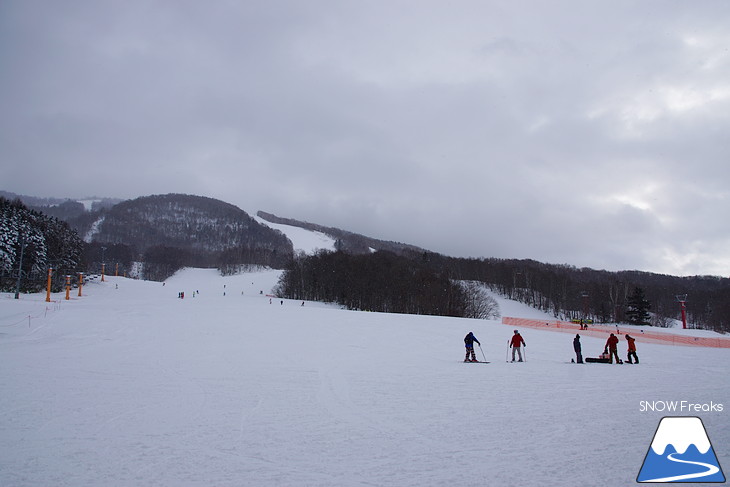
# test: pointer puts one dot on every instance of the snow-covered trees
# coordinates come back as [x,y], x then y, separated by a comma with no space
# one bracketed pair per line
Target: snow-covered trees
[43,242]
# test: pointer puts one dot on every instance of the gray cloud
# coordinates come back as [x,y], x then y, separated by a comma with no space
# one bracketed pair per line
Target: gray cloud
[590,134]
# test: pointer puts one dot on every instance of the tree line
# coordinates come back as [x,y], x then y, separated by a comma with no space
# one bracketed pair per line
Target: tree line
[30,243]
[429,283]
[159,262]
[381,281]
[568,292]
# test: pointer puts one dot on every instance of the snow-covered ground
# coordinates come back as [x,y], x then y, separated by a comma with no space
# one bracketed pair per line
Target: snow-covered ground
[303,240]
[130,386]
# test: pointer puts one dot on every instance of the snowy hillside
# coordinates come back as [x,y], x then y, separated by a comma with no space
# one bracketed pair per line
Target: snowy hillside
[130,386]
[303,240]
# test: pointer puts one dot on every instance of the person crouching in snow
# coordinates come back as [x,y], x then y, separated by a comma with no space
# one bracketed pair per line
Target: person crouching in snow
[632,350]
[515,344]
[612,349]
[469,344]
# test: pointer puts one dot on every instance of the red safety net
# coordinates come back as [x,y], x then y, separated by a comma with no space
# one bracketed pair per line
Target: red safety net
[601,331]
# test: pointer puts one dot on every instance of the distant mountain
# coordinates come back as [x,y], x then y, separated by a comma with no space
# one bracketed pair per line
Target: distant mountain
[63,208]
[349,242]
[198,225]
[167,232]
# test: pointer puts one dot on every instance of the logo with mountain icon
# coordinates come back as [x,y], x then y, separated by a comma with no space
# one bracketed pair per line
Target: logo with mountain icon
[681,452]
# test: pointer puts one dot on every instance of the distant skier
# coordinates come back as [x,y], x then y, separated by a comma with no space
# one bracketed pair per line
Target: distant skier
[516,344]
[632,350]
[469,344]
[577,348]
[612,349]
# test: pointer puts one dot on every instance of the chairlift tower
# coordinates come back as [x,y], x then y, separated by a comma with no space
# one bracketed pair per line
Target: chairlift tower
[103,263]
[682,299]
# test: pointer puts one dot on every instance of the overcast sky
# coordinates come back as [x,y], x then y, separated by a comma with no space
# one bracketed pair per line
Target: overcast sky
[595,134]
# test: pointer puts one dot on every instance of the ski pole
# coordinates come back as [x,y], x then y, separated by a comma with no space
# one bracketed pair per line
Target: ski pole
[480,349]
[506,357]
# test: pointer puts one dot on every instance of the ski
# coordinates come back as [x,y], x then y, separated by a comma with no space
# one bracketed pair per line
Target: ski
[477,362]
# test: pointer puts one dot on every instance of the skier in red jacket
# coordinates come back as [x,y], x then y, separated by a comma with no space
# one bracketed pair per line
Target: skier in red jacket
[612,349]
[632,349]
[515,344]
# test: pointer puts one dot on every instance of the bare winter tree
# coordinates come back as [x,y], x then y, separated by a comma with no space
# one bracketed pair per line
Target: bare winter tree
[480,304]
[661,321]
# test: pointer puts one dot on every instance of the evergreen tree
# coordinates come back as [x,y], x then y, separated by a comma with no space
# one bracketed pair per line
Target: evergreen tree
[637,308]
[42,241]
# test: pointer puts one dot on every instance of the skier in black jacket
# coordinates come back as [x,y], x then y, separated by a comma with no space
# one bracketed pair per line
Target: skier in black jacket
[469,343]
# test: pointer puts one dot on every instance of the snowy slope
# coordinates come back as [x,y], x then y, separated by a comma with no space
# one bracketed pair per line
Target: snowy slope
[304,240]
[130,386]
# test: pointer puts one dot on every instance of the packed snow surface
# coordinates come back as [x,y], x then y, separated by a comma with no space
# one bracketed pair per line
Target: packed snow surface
[128,385]
[303,240]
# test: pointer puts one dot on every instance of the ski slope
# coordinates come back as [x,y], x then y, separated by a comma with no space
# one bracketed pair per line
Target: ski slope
[130,386]
[303,240]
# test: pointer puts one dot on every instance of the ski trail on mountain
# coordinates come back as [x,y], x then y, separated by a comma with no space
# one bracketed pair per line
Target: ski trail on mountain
[711,470]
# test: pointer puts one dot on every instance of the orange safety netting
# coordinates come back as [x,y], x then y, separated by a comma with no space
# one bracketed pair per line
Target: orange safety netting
[600,331]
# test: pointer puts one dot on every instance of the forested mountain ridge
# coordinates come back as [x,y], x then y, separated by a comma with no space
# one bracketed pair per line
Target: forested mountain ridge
[62,208]
[163,233]
[179,220]
[346,241]
[175,230]
[167,232]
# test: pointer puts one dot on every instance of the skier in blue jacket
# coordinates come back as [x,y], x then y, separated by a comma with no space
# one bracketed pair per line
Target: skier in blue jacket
[469,343]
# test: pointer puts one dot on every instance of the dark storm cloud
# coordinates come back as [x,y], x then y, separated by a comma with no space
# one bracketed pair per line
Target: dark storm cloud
[578,132]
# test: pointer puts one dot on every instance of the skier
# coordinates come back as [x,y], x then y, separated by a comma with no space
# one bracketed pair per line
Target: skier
[611,349]
[577,348]
[469,343]
[515,344]
[632,350]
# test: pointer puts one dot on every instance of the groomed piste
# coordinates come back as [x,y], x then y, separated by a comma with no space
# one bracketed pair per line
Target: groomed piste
[129,385]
